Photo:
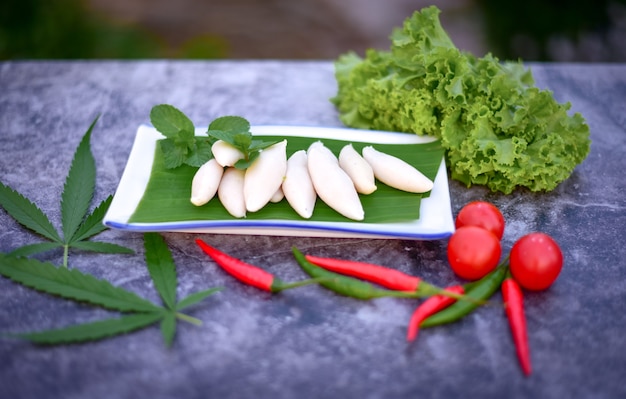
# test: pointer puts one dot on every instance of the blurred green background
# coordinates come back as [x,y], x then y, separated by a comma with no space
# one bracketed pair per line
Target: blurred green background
[533,30]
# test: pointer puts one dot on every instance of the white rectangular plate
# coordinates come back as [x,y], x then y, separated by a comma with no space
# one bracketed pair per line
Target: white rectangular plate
[435,220]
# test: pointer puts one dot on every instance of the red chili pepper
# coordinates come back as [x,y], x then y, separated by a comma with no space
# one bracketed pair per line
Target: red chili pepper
[514,308]
[429,307]
[387,277]
[390,278]
[249,274]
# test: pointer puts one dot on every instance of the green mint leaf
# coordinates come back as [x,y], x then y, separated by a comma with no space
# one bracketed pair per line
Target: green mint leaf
[71,284]
[93,223]
[101,247]
[230,124]
[170,121]
[27,213]
[186,138]
[161,267]
[91,331]
[222,135]
[245,163]
[236,132]
[201,154]
[173,155]
[194,298]
[168,328]
[181,146]
[258,145]
[79,186]
[242,141]
[37,248]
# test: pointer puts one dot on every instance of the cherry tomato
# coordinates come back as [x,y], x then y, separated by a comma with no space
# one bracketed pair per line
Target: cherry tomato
[481,214]
[536,261]
[473,252]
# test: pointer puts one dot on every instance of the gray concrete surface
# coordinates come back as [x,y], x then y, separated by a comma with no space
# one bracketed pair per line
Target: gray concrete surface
[306,343]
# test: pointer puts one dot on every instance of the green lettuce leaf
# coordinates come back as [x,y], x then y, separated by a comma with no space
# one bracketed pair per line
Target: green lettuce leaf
[496,127]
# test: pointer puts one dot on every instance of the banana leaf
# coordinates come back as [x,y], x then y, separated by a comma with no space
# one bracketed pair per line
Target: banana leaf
[167,195]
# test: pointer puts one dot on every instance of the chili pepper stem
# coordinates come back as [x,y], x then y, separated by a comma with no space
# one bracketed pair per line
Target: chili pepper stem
[279,285]
[397,294]
[427,290]
[430,290]
[430,306]
[480,290]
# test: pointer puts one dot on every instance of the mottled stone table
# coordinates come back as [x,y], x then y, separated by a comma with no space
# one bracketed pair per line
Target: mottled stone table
[308,342]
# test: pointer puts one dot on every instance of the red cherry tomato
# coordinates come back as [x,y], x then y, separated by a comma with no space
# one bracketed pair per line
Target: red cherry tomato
[536,261]
[473,252]
[481,214]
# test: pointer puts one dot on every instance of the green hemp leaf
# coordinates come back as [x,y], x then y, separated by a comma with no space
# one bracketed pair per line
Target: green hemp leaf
[137,312]
[77,225]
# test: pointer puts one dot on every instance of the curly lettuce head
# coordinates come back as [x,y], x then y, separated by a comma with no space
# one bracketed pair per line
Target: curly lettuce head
[497,128]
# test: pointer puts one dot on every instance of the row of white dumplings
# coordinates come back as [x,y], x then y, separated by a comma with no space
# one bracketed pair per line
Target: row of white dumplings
[306,175]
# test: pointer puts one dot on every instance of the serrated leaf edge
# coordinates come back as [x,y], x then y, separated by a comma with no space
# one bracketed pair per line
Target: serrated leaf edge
[161,267]
[196,297]
[101,247]
[168,328]
[71,284]
[92,224]
[90,331]
[26,213]
[79,186]
[36,248]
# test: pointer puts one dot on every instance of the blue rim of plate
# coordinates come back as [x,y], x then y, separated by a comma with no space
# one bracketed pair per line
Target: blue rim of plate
[223,227]
[435,222]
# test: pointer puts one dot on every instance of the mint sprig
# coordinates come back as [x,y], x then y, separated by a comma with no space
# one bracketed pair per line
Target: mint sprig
[74,285]
[235,131]
[182,146]
[77,224]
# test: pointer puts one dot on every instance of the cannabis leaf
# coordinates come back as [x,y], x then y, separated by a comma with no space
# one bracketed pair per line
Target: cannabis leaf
[75,285]
[181,145]
[77,225]
[163,272]
[91,331]
[71,284]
